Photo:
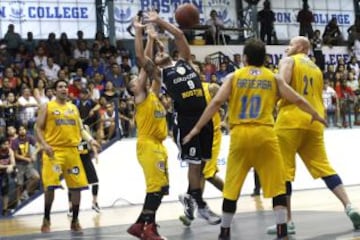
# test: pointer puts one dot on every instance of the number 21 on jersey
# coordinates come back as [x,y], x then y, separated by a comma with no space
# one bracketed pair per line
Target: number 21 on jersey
[250,107]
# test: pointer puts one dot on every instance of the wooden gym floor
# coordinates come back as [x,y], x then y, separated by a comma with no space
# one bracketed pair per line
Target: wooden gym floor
[318,215]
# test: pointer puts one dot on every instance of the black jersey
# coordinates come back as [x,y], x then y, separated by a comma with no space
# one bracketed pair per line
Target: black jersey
[184,86]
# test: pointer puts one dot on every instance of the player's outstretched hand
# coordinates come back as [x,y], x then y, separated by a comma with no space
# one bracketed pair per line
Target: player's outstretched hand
[137,23]
[317,117]
[151,16]
[190,135]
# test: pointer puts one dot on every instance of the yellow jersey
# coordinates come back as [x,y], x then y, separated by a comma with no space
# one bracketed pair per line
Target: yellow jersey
[216,118]
[253,96]
[62,127]
[307,80]
[150,118]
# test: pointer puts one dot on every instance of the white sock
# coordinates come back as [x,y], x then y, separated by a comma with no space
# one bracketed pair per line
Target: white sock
[226,219]
[280,215]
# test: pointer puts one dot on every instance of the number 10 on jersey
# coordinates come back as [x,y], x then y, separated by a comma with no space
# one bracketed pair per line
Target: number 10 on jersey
[250,107]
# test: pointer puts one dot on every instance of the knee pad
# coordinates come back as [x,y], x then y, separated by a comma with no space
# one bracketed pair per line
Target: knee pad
[288,188]
[229,206]
[332,181]
[152,201]
[279,200]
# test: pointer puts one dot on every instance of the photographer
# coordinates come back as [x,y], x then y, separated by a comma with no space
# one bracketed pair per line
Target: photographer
[7,167]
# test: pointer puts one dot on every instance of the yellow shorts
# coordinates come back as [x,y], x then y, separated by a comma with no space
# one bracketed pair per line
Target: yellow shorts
[66,163]
[254,146]
[152,156]
[311,148]
[211,167]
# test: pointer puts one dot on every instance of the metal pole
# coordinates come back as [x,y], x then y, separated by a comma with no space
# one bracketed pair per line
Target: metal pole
[112,37]
[99,16]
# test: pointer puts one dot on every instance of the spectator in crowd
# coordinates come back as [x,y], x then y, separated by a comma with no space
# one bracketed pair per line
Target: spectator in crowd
[39,92]
[11,133]
[332,35]
[51,70]
[53,47]
[114,75]
[10,106]
[213,34]
[354,66]
[266,17]
[316,43]
[40,57]
[331,104]
[346,99]
[14,81]
[88,110]
[82,55]
[353,32]
[108,126]
[126,118]
[74,88]
[7,167]
[109,92]
[107,49]
[13,40]
[209,68]
[237,60]
[221,73]
[28,177]
[30,70]
[94,92]
[305,18]
[96,66]
[28,108]
[6,88]
[30,44]
[66,45]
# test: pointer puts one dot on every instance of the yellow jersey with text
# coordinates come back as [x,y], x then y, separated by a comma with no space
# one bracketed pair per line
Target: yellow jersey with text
[62,127]
[151,118]
[216,118]
[254,92]
[307,80]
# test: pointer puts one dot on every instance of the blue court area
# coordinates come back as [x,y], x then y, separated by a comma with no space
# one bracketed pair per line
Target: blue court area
[310,225]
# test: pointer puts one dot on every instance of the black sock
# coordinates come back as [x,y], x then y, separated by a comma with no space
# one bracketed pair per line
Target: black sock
[47,211]
[147,217]
[224,232]
[75,209]
[281,230]
[197,195]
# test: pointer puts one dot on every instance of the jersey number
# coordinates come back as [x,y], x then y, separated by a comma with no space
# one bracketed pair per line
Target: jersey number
[250,107]
[308,82]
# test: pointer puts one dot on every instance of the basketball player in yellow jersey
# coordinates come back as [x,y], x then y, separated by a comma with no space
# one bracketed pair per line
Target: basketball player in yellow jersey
[210,168]
[59,130]
[151,125]
[297,134]
[252,92]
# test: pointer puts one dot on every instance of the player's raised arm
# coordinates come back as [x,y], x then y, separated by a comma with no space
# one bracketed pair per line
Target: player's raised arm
[181,42]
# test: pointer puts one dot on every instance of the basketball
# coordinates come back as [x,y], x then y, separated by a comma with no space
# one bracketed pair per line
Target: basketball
[187,15]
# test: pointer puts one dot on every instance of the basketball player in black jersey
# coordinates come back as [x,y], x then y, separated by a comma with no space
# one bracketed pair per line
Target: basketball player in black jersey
[183,85]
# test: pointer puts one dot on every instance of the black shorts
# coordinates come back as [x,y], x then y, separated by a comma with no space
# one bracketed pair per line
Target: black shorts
[200,146]
[89,168]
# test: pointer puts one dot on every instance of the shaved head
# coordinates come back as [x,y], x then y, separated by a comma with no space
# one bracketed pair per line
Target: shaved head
[303,43]
[298,44]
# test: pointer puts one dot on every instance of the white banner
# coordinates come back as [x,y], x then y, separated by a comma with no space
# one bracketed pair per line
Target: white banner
[125,10]
[43,17]
[274,52]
